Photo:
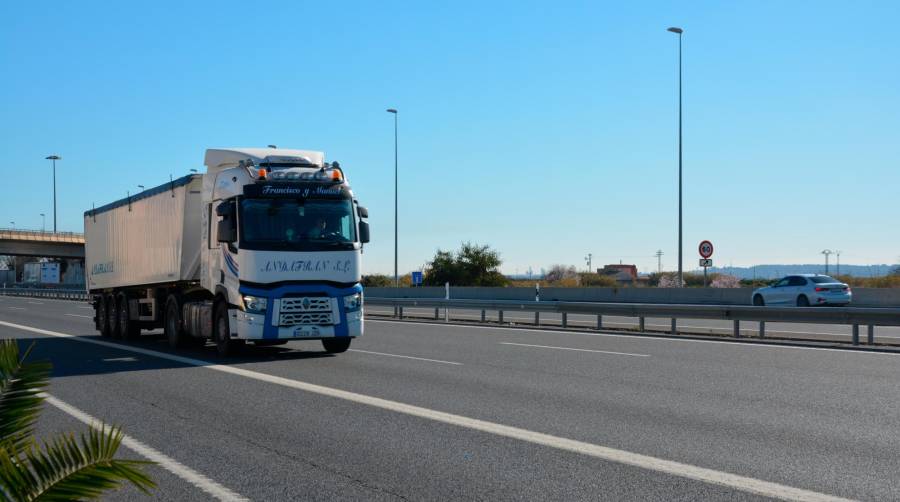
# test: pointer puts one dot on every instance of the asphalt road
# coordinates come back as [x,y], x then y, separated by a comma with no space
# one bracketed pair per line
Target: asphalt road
[421,411]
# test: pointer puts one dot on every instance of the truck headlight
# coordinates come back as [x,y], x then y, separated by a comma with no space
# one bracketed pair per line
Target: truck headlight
[353,302]
[255,304]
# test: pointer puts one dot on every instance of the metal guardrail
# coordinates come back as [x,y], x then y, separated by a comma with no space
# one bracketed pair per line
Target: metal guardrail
[853,316]
[59,294]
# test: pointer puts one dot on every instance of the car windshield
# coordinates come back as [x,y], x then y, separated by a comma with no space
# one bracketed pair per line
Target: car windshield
[822,279]
[296,224]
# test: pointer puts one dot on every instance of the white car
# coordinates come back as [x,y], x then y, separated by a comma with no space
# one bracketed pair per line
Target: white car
[804,290]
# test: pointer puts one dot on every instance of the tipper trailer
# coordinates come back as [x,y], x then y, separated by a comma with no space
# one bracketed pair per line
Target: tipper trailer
[264,247]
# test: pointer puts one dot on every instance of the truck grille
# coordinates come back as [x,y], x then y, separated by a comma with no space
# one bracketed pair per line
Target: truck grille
[310,318]
[306,310]
[306,304]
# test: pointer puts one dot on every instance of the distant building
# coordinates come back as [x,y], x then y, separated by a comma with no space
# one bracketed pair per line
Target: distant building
[624,274]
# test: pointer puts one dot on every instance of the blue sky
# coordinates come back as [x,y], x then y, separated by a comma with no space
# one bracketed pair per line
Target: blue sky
[547,130]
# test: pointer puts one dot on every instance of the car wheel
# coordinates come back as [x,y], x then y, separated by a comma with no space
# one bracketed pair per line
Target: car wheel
[225,345]
[758,301]
[336,345]
[112,321]
[802,301]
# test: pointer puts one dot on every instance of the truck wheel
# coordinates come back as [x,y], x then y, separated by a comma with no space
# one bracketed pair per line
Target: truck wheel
[112,321]
[174,332]
[102,325]
[128,329]
[336,345]
[225,345]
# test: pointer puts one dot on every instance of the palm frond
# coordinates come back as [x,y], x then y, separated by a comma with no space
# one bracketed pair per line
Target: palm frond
[67,468]
[20,384]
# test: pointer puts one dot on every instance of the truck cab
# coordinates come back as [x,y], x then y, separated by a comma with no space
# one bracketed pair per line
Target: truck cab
[282,235]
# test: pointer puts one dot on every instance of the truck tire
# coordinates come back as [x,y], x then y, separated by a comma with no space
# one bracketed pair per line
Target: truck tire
[175,334]
[128,329]
[225,345]
[336,345]
[112,321]
[102,324]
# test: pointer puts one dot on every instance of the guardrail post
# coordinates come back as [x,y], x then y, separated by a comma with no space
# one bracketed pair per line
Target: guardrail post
[856,334]
[500,316]
[737,328]
[599,321]
[482,315]
[674,326]
[565,319]
[870,338]
[437,313]
[641,324]
[537,318]
[401,312]
[447,314]
[762,329]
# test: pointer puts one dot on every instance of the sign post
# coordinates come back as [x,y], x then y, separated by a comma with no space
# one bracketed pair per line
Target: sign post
[706,252]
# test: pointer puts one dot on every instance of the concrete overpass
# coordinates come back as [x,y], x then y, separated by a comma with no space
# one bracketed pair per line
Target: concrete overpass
[40,243]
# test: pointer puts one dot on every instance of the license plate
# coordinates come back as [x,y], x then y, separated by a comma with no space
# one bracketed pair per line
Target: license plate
[305,331]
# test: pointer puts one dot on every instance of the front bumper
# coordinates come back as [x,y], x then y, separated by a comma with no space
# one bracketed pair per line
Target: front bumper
[248,326]
[245,326]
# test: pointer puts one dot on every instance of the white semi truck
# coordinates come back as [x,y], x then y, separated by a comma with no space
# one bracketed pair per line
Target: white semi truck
[264,247]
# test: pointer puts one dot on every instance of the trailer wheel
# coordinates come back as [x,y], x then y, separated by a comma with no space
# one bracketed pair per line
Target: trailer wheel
[128,329]
[174,331]
[336,345]
[102,324]
[112,322]
[222,333]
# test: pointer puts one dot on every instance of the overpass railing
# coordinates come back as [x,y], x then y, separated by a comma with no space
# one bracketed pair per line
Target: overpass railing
[56,293]
[41,235]
[852,316]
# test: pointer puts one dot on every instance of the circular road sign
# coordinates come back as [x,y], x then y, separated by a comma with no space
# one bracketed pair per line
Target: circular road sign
[706,249]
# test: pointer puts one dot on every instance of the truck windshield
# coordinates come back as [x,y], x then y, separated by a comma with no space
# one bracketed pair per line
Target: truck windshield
[299,224]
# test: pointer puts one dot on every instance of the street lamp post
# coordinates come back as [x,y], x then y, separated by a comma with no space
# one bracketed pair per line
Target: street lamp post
[141,187]
[43,223]
[679,32]
[827,253]
[53,159]
[396,275]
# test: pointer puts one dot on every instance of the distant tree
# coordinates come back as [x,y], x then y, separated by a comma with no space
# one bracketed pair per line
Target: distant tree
[377,281]
[592,279]
[472,265]
[667,281]
[725,281]
[560,272]
[896,270]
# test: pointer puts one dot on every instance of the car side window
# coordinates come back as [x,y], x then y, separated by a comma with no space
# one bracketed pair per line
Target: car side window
[782,283]
[798,281]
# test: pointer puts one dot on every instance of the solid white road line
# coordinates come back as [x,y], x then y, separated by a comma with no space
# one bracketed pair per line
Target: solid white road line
[734,481]
[36,303]
[168,463]
[79,315]
[16,308]
[578,350]
[83,307]
[637,337]
[405,357]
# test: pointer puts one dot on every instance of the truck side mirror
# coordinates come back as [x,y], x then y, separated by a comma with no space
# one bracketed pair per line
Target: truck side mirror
[226,208]
[363,232]
[363,212]
[226,230]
